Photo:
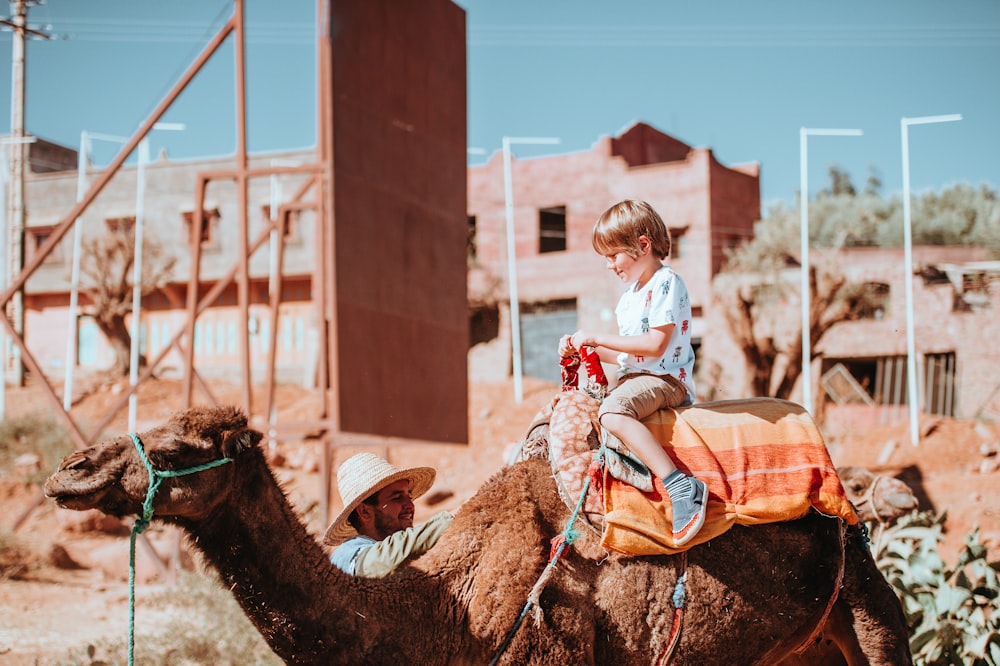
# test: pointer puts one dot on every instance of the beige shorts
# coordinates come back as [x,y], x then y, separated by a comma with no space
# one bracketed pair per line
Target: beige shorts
[640,395]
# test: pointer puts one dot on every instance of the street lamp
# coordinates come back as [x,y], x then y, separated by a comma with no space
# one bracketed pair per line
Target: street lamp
[83,158]
[911,360]
[804,133]
[515,309]
[140,201]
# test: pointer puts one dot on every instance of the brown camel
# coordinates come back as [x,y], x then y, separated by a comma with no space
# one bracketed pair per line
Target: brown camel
[751,596]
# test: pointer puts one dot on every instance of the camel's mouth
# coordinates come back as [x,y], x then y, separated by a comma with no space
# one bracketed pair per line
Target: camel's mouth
[74,486]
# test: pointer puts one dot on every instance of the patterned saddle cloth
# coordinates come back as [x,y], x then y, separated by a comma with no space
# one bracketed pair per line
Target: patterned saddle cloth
[763,459]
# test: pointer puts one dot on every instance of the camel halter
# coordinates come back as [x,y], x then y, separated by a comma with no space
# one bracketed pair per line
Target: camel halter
[156,477]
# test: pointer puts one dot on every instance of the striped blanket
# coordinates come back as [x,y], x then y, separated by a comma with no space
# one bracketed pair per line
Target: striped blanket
[763,459]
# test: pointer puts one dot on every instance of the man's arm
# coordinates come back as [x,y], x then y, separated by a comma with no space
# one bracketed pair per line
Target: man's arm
[382,558]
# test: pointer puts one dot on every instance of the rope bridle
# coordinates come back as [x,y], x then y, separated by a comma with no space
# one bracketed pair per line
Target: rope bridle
[156,477]
[596,387]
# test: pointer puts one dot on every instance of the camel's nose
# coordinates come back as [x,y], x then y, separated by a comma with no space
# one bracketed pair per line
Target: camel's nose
[72,461]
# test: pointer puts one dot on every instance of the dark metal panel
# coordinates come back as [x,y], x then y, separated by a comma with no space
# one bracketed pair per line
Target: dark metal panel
[399,179]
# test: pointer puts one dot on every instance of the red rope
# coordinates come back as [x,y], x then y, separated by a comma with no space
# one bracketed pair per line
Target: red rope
[592,364]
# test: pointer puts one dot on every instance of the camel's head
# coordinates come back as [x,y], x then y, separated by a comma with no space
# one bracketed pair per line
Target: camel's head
[112,477]
[876,497]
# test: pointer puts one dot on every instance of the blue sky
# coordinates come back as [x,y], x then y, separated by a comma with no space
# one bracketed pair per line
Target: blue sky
[740,78]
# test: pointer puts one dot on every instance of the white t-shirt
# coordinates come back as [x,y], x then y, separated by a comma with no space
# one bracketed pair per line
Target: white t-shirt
[661,301]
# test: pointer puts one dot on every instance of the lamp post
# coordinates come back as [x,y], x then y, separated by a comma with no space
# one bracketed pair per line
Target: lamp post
[804,134]
[83,158]
[8,352]
[515,309]
[140,201]
[911,360]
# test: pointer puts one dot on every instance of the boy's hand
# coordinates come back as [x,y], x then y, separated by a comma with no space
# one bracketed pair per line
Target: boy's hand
[566,347]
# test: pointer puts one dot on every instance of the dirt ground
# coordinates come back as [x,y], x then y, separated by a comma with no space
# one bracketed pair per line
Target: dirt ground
[74,590]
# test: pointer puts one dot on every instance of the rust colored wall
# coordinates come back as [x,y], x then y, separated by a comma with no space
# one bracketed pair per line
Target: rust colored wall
[399,106]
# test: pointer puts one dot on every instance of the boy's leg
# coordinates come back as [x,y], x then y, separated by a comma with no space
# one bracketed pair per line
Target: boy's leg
[621,414]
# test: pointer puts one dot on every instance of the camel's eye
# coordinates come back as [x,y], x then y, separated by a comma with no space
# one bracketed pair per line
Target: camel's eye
[855,487]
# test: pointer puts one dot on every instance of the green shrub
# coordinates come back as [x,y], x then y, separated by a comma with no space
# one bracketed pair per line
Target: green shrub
[35,433]
[953,613]
[14,556]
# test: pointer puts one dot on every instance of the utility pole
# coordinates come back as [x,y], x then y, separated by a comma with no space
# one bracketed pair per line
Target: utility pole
[15,202]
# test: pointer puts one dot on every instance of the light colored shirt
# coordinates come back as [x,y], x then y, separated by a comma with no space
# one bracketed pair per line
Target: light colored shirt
[661,301]
[364,556]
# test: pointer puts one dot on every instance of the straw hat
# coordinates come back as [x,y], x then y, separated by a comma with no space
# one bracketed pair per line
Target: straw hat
[363,475]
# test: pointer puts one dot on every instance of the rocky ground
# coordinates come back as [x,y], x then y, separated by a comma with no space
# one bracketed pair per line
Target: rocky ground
[71,588]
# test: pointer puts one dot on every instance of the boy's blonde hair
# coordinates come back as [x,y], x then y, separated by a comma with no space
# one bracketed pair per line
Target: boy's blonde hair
[618,230]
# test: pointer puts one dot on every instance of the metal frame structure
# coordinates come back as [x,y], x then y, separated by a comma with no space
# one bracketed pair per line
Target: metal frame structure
[238,273]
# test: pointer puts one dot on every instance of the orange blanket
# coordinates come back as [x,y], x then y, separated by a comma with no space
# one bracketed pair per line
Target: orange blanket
[764,460]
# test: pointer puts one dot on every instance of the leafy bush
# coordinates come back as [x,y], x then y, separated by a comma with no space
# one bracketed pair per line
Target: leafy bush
[14,556]
[953,613]
[35,433]
[206,626]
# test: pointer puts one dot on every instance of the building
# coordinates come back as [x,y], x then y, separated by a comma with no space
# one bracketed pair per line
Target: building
[860,373]
[561,283]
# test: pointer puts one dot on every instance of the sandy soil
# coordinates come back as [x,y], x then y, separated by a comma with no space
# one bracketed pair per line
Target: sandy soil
[49,609]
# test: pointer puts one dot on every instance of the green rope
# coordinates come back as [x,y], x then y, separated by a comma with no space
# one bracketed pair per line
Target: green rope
[156,477]
[569,536]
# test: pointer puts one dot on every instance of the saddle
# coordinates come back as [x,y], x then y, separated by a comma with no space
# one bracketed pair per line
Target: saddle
[763,459]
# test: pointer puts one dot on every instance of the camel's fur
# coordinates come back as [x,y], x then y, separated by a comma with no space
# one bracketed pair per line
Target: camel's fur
[752,595]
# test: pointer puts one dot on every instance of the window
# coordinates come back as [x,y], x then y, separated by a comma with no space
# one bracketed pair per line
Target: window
[471,242]
[120,224]
[552,229]
[676,246]
[35,238]
[289,226]
[939,383]
[873,300]
[882,379]
[208,219]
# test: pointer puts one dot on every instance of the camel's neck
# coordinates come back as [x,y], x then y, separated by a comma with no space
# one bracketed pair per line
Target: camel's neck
[274,567]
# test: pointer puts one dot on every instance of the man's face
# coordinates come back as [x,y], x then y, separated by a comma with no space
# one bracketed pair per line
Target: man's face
[393,509]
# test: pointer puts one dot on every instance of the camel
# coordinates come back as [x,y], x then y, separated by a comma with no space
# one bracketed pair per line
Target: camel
[876,497]
[750,596]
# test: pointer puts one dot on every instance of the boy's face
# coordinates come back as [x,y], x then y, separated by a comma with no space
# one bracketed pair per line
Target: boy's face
[622,264]
[630,268]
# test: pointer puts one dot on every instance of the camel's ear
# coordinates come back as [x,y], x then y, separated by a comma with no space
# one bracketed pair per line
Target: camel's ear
[238,441]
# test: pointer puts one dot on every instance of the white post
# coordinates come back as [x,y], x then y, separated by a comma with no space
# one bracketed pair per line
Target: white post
[515,307]
[912,394]
[83,161]
[6,344]
[804,133]
[134,329]
[71,341]
[140,213]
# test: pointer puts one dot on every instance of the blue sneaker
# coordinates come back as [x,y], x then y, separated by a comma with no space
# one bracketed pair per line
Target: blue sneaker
[687,495]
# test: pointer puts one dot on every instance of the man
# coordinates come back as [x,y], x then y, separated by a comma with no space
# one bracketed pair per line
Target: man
[374,533]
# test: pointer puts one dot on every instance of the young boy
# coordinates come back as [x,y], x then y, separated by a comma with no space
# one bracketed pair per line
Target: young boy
[653,349]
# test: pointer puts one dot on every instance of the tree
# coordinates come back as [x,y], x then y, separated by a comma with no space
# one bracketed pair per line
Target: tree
[759,284]
[107,266]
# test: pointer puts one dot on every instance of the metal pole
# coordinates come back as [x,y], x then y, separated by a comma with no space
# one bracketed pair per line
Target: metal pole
[140,197]
[83,159]
[15,220]
[515,307]
[912,394]
[804,133]
[74,288]
[806,297]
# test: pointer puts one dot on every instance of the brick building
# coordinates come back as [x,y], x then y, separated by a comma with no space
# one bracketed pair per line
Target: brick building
[860,375]
[561,283]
